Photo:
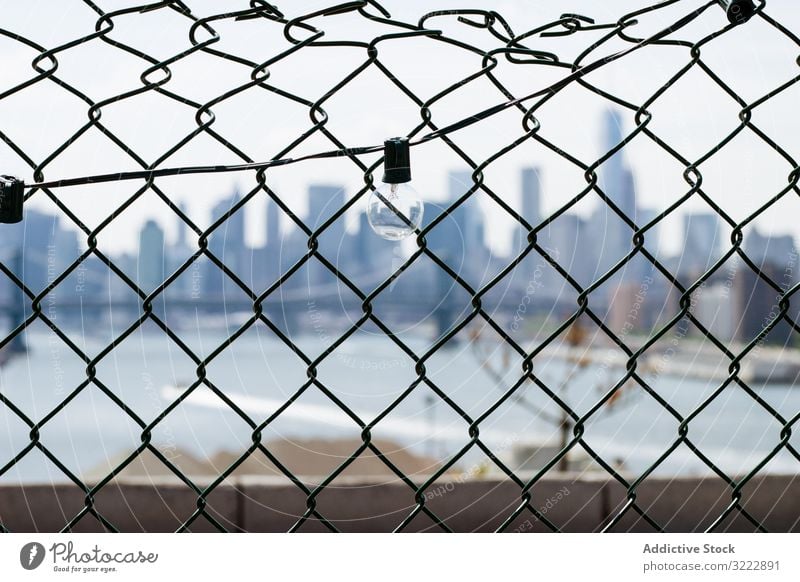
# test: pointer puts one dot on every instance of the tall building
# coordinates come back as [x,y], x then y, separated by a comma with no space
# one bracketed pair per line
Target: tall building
[460,239]
[323,202]
[151,267]
[565,240]
[615,177]
[227,243]
[270,255]
[468,216]
[228,238]
[273,225]
[715,309]
[177,254]
[531,195]
[531,206]
[758,302]
[363,244]
[778,251]
[701,242]
[611,236]
[372,256]
[652,238]
[39,237]
[64,251]
[182,228]
[37,250]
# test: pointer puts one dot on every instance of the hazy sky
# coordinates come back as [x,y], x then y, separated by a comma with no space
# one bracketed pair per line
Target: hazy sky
[692,116]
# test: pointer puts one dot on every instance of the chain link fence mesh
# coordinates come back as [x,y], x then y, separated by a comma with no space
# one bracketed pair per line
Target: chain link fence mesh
[518,48]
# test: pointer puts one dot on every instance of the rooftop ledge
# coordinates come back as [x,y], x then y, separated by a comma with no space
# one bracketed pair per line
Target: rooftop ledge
[573,503]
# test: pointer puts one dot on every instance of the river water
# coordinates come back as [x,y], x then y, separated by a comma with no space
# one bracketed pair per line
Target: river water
[367,373]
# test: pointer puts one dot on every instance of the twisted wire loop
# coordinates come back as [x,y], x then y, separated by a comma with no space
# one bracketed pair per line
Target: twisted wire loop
[512,46]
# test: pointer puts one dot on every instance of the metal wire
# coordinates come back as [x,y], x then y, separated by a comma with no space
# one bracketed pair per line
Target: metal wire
[512,46]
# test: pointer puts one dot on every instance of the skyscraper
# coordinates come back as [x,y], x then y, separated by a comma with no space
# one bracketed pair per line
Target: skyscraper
[227,244]
[615,178]
[177,254]
[611,236]
[269,257]
[701,242]
[323,202]
[775,250]
[273,225]
[468,215]
[530,208]
[182,227]
[464,241]
[362,246]
[652,238]
[43,246]
[151,268]
[531,195]
[565,240]
[458,240]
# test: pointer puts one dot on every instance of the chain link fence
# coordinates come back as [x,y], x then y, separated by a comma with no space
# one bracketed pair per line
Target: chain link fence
[599,45]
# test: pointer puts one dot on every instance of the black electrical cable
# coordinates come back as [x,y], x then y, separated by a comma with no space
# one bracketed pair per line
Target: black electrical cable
[357,151]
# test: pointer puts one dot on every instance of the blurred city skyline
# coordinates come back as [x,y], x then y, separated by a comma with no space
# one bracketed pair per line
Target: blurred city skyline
[734,302]
[702,231]
[741,176]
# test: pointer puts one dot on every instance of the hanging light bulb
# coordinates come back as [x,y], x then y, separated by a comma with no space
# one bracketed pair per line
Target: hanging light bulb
[394,209]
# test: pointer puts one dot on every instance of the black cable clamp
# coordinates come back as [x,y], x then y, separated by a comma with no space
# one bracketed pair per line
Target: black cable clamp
[738,11]
[12,194]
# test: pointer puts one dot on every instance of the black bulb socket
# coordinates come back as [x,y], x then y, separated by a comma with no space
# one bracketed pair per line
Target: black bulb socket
[738,11]
[12,195]
[396,161]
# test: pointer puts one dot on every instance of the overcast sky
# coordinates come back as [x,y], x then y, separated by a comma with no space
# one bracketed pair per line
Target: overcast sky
[691,116]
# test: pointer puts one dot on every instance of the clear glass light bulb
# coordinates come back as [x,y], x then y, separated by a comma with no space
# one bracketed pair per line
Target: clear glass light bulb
[394,211]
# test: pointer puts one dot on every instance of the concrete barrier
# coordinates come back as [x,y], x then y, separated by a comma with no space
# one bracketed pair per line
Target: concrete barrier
[130,506]
[267,504]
